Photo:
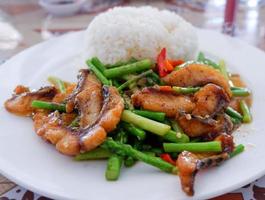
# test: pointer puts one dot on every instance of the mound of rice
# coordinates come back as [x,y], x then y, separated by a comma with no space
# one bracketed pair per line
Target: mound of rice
[125,32]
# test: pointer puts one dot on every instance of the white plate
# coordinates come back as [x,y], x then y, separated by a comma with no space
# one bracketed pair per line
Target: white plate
[36,165]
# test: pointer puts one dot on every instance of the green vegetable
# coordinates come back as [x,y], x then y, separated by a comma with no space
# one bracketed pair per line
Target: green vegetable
[124,149]
[201,58]
[139,133]
[223,70]
[145,123]
[128,69]
[134,79]
[95,154]
[129,161]
[98,64]
[98,73]
[246,112]
[158,116]
[185,90]
[121,63]
[176,126]
[176,137]
[112,172]
[235,120]
[240,92]
[233,113]
[127,101]
[121,137]
[214,146]
[239,148]
[58,83]
[75,122]
[48,105]
[156,78]
[115,83]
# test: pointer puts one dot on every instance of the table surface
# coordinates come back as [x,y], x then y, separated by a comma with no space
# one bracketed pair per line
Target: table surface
[24,23]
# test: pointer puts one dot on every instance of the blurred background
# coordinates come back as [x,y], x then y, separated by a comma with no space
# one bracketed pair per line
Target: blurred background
[24,23]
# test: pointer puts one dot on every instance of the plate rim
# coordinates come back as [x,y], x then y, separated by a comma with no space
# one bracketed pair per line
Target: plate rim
[47,193]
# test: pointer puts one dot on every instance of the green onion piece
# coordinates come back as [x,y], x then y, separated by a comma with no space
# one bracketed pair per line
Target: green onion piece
[145,123]
[233,113]
[98,73]
[48,105]
[158,116]
[128,69]
[239,149]
[246,112]
[214,146]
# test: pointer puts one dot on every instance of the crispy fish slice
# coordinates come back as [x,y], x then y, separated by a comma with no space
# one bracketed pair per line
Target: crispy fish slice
[71,141]
[195,127]
[168,102]
[85,80]
[197,75]
[20,102]
[190,163]
[210,100]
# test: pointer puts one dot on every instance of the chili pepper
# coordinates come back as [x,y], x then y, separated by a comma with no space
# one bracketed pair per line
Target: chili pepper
[166,157]
[175,63]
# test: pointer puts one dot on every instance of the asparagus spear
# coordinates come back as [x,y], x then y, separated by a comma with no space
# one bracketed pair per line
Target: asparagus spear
[233,113]
[145,123]
[128,69]
[98,73]
[158,116]
[113,168]
[124,149]
[214,146]
[133,80]
[95,154]
[139,133]
[98,64]
[239,148]
[185,90]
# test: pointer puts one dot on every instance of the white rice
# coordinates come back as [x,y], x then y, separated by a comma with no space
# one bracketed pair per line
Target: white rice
[125,32]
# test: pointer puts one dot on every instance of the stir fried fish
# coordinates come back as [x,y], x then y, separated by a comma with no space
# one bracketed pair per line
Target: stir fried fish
[168,102]
[190,163]
[194,113]
[99,111]
[210,100]
[197,75]
[77,118]
[20,102]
